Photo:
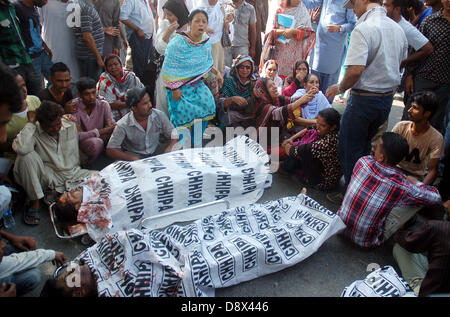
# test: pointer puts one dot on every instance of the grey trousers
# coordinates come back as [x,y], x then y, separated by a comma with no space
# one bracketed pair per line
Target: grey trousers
[414,266]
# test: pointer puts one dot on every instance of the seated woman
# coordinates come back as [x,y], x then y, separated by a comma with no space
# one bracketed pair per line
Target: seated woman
[187,62]
[318,161]
[297,80]
[270,70]
[235,97]
[114,83]
[175,20]
[268,109]
[271,109]
[291,36]
[309,113]
[93,117]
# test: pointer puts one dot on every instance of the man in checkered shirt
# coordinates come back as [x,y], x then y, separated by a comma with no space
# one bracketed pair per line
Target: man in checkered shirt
[380,198]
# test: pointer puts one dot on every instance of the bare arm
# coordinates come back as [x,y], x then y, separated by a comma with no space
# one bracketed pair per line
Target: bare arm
[132,26]
[172,143]
[352,75]
[118,105]
[119,155]
[89,39]
[305,122]
[424,51]
[432,172]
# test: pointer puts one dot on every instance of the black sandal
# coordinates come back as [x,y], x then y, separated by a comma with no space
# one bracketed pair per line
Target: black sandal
[34,215]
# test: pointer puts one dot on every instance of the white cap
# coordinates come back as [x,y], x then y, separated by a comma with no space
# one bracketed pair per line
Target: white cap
[348,4]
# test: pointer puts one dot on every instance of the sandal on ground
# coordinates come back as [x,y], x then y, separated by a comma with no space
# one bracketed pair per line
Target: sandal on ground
[32,216]
[50,197]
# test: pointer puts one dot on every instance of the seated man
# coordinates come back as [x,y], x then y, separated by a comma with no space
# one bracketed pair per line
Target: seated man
[18,264]
[19,119]
[136,135]
[426,144]
[424,257]
[47,157]
[59,90]
[94,119]
[376,189]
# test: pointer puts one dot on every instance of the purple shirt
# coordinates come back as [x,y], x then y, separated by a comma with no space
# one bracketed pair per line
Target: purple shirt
[98,119]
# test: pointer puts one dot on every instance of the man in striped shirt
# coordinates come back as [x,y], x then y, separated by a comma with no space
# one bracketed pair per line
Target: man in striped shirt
[89,39]
[379,198]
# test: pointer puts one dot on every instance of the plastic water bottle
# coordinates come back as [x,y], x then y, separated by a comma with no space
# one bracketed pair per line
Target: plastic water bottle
[8,219]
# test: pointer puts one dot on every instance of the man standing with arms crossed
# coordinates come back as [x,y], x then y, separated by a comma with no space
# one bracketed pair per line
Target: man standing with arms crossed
[377,47]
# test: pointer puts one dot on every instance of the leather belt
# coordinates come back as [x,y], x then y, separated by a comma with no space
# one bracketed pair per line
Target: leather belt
[366,93]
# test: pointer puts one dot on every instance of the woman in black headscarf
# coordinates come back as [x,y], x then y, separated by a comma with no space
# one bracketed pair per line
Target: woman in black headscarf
[175,19]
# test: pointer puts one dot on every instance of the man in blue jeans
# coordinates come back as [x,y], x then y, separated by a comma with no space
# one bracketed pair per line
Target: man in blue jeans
[30,26]
[377,47]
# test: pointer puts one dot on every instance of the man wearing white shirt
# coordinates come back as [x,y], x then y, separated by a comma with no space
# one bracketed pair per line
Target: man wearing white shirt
[58,34]
[415,38]
[377,47]
[138,18]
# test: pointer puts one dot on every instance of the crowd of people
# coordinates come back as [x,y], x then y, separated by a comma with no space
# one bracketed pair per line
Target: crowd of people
[130,79]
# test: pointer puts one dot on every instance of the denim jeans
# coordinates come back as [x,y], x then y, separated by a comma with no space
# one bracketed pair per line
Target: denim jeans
[32,80]
[42,65]
[25,281]
[359,124]
[89,68]
[140,54]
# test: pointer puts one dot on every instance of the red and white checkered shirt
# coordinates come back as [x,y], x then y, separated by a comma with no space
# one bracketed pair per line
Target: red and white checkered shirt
[374,190]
